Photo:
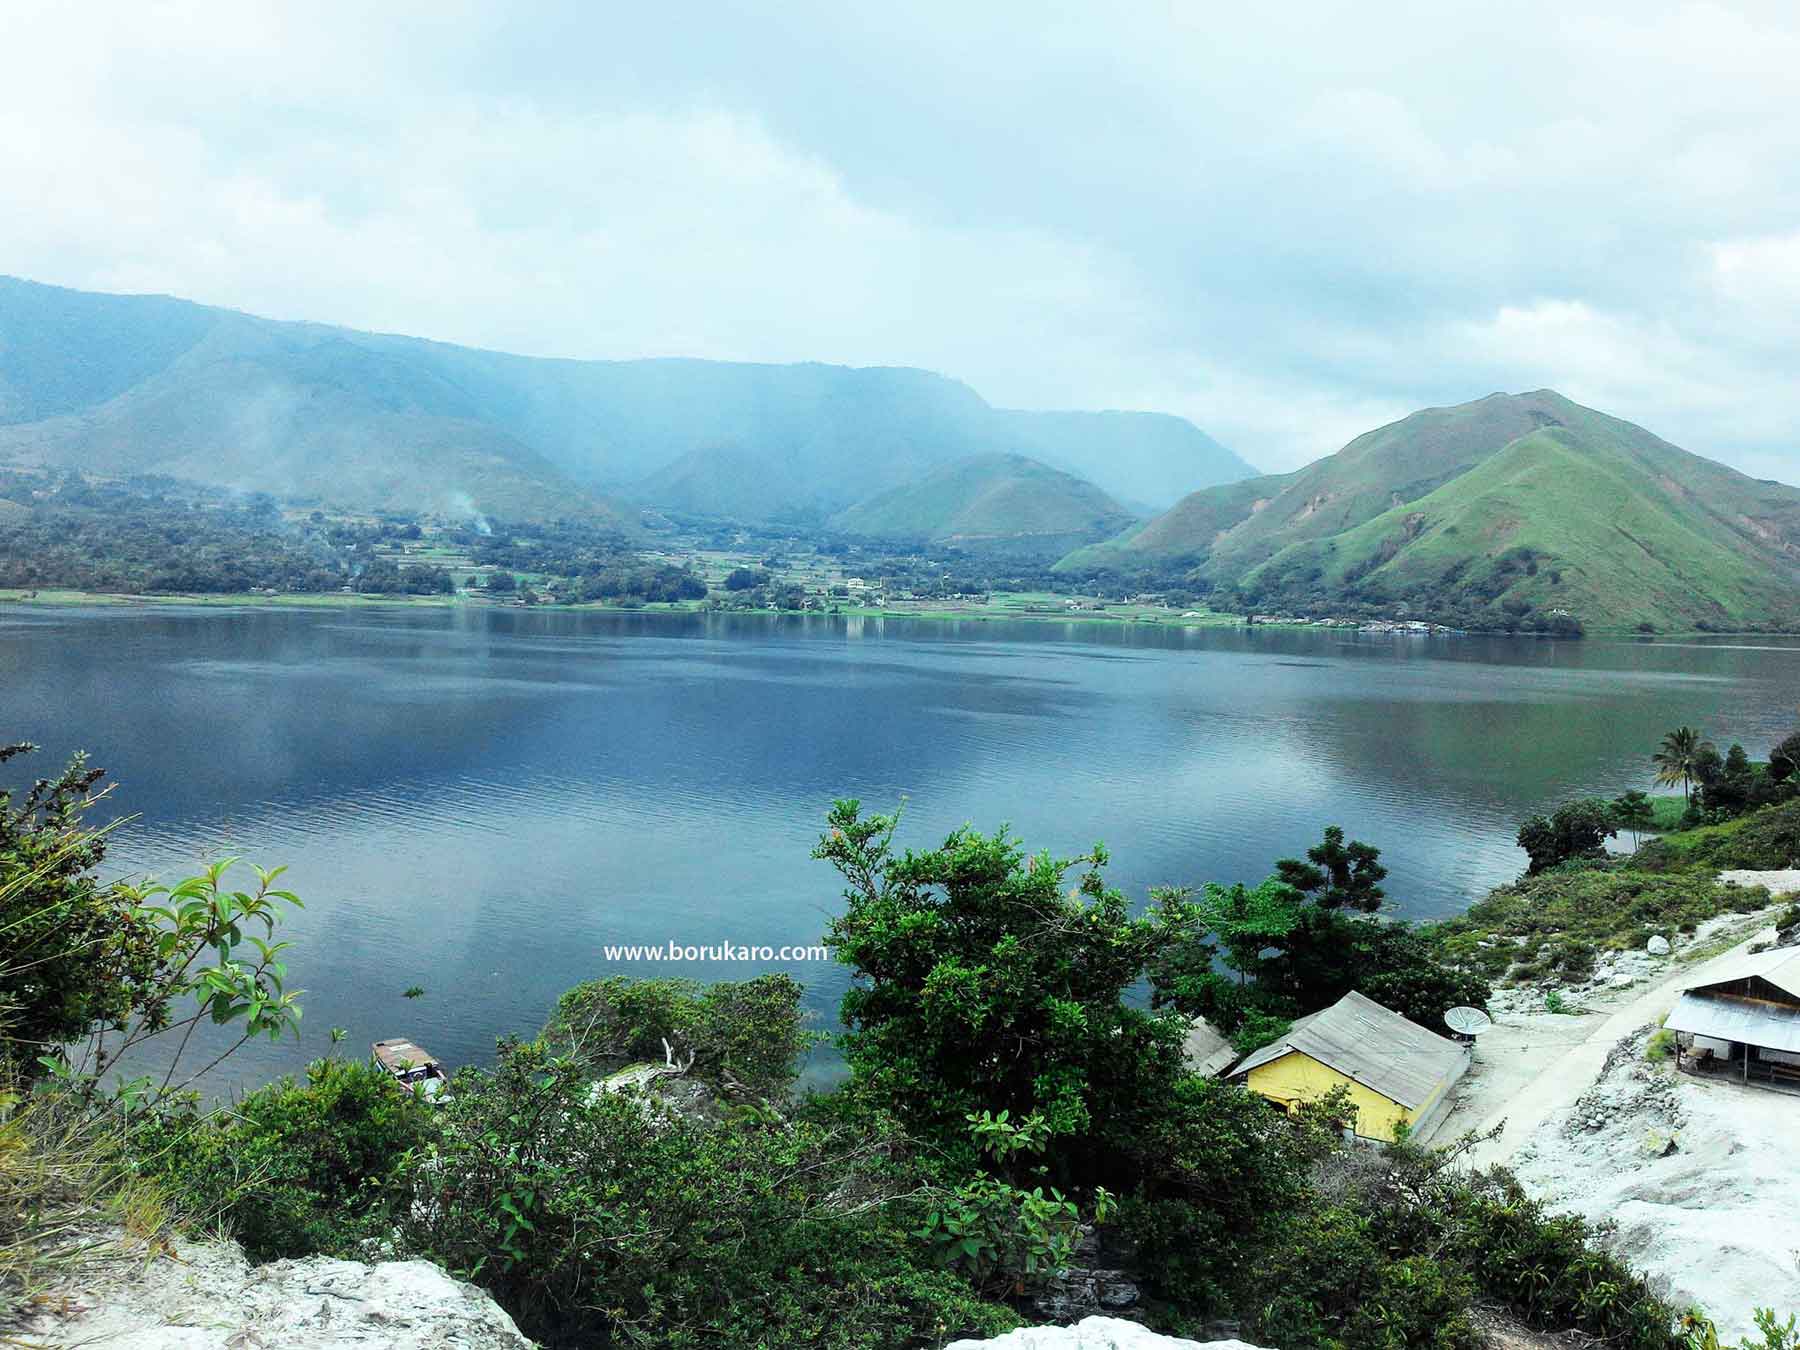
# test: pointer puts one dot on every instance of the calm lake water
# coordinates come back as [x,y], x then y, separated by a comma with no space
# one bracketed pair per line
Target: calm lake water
[477,801]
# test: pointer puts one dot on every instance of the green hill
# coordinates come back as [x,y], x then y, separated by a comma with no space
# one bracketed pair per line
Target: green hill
[1003,503]
[149,383]
[1526,510]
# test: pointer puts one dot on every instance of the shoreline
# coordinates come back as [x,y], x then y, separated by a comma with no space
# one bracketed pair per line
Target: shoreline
[60,598]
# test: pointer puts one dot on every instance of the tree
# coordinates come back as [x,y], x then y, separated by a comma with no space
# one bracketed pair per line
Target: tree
[70,947]
[1577,829]
[1678,758]
[90,972]
[502,583]
[1784,759]
[744,579]
[984,983]
[744,1037]
[1726,784]
[1633,812]
[1337,875]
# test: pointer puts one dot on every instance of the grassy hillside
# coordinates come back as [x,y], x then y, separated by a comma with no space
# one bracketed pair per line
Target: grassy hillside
[1578,518]
[100,382]
[1185,531]
[991,501]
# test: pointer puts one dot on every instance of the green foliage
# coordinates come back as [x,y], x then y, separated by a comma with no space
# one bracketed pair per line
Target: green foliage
[1575,830]
[599,1218]
[72,951]
[1397,1248]
[89,973]
[1299,942]
[1679,757]
[1765,839]
[1633,812]
[998,1234]
[1576,911]
[298,1167]
[1259,1029]
[1660,1046]
[1337,875]
[746,1037]
[1784,759]
[984,984]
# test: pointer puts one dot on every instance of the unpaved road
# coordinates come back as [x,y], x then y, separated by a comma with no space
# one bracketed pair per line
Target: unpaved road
[1531,1098]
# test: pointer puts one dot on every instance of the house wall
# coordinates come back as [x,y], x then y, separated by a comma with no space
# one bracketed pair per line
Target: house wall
[1296,1078]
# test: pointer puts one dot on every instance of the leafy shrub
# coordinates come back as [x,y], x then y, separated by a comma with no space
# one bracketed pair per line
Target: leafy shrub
[745,1037]
[600,1218]
[298,1167]
[1599,908]
[1577,829]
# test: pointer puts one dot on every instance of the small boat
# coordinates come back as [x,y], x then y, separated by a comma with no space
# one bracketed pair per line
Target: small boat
[414,1068]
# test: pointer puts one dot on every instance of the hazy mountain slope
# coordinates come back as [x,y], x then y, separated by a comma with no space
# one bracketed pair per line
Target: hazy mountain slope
[1148,457]
[107,370]
[62,351]
[1573,511]
[303,413]
[727,482]
[989,501]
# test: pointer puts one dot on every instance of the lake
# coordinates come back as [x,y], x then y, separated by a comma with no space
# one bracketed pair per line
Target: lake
[478,801]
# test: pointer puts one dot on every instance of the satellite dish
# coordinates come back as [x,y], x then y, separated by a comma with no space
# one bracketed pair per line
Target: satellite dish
[1467,1021]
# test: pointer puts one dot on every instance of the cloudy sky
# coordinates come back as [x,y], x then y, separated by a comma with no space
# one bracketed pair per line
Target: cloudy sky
[1288,226]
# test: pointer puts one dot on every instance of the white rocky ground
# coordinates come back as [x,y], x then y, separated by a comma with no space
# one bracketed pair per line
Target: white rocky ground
[1699,1175]
[1093,1333]
[206,1296]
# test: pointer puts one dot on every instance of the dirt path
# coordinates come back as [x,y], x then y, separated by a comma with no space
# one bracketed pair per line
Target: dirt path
[1525,1101]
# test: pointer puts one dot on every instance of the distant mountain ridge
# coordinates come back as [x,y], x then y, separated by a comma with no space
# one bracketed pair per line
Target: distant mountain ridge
[1516,508]
[995,503]
[154,384]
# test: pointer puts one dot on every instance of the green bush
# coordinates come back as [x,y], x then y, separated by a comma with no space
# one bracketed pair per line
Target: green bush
[744,1037]
[1578,911]
[600,1218]
[297,1167]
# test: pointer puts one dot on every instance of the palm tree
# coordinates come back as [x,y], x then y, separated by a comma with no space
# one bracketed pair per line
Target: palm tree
[1681,752]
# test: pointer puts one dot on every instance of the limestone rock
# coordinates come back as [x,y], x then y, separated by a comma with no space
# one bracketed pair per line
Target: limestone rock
[206,1296]
[1093,1333]
[1657,946]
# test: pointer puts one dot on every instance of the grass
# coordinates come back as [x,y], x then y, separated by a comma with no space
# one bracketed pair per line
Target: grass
[1666,813]
[1556,924]
[68,1198]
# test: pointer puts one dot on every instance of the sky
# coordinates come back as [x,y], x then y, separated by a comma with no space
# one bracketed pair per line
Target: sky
[1287,225]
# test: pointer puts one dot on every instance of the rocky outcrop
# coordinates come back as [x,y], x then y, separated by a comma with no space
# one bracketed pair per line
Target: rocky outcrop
[1096,1280]
[206,1296]
[1093,1333]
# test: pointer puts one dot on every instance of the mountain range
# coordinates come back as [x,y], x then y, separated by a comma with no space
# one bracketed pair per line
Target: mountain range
[1522,507]
[149,384]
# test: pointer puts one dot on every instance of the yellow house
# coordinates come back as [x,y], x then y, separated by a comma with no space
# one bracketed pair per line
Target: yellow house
[1395,1070]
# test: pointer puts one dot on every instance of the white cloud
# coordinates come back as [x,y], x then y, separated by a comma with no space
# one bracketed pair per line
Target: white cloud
[1287,225]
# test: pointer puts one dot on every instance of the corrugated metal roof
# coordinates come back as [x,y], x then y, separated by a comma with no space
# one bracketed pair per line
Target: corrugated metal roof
[1371,1045]
[1780,966]
[1768,1026]
[1205,1050]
